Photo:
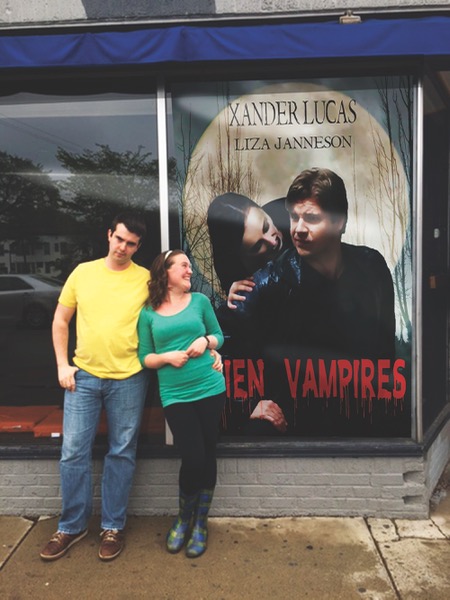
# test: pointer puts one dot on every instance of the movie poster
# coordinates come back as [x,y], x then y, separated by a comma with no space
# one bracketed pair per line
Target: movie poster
[318,344]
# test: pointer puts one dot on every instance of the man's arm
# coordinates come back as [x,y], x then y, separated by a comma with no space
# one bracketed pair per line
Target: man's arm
[236,289]
[270,411]
[265,286]
[60,334]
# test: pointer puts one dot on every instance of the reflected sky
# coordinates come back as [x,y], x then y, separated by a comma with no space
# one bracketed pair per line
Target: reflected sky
[33,126]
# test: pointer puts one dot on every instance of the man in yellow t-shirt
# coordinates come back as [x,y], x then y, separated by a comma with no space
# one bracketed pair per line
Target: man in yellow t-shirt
[107,295]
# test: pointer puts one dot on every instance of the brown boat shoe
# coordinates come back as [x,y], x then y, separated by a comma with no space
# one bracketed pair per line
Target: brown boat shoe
[59,544]
[112,544]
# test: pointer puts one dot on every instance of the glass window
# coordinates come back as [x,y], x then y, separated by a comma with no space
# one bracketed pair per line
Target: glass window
[68,164]
[435,288]
[320,346]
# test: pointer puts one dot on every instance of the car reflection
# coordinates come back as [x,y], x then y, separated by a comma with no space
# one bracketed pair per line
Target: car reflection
[28,299]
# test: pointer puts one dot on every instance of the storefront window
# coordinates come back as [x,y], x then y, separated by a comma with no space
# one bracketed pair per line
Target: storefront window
[435,286]
[321,345]
[68,165]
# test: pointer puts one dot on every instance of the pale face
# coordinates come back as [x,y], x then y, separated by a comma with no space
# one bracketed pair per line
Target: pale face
[122,246]
[179,273]
[262,241]
[316,234]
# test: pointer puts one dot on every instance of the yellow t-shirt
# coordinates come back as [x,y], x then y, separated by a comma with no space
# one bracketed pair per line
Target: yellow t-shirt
[108,304]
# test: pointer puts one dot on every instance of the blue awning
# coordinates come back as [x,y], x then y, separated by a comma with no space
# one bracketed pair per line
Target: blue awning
[429,36]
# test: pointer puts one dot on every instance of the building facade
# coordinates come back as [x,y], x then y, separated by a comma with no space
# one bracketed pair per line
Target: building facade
[175,109]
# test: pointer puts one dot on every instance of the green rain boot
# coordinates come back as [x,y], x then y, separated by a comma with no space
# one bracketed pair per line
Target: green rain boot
[199,535]
[177,533]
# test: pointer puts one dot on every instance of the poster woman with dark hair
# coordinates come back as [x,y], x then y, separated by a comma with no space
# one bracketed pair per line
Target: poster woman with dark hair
[245,236]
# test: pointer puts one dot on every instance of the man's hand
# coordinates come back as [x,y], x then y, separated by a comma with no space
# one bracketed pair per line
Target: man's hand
[217,364]
[66,377]
[270,411]
[245,285]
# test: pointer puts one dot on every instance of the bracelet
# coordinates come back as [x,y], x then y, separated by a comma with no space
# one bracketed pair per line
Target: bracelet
[207,341]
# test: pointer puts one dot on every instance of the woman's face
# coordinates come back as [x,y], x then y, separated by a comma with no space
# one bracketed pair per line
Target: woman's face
[179,273]
[261,241]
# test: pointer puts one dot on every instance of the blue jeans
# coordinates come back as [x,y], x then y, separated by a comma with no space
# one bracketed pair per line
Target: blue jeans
[123,400]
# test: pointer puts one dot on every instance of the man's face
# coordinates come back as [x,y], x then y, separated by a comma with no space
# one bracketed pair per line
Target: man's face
[314,232]
[122,245]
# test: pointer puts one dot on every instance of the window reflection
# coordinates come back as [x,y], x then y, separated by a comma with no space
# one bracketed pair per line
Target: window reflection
[68,165]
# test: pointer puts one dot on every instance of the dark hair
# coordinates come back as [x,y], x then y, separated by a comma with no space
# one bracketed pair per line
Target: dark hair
[134,222]
[157,285]
[226,225]
[324,186]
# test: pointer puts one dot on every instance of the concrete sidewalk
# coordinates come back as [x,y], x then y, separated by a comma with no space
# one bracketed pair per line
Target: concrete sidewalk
[313,558]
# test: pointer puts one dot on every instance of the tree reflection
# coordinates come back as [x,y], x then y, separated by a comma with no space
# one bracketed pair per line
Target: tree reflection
[49,224]
[103,183]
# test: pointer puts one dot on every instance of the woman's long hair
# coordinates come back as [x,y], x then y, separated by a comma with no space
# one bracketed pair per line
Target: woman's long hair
[226,224]
[158,284]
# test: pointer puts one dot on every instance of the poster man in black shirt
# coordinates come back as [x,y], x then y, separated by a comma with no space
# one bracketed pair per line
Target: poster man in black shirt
[319,304]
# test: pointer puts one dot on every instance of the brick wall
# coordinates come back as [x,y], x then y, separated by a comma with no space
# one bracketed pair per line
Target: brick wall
[264,487]
[390,487]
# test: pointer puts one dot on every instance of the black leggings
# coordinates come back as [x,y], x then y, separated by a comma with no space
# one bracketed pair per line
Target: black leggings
[195,429]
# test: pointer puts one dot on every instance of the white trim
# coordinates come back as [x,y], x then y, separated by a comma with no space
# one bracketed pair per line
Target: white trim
[417,363]
[162,164]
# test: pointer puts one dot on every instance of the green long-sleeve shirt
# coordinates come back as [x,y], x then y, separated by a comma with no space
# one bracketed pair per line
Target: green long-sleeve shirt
[157,334]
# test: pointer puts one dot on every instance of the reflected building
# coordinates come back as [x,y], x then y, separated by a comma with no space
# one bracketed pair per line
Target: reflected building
[41,257]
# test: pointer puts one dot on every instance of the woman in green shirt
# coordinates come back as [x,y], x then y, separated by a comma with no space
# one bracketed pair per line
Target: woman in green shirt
[177,330]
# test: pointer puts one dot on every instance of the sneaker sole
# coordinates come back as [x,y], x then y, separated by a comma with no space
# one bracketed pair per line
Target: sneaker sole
[60,554]
[112,557]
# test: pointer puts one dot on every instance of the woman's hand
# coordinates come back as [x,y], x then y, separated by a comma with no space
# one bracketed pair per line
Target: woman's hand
[198,347]
[245,285]
[177,358]
[270,411]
